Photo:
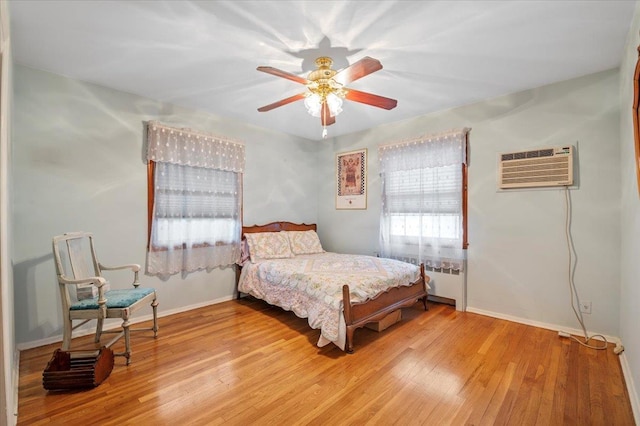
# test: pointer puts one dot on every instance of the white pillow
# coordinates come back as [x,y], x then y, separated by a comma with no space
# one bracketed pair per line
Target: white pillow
[268,245]
[304,242]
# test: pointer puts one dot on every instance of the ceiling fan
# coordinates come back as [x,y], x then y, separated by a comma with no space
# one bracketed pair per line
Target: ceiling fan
[326,89]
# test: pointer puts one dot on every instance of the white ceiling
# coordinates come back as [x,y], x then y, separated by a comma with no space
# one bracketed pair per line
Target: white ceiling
[203,54]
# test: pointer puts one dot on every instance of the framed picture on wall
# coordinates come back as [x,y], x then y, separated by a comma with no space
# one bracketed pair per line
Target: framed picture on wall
[351,180]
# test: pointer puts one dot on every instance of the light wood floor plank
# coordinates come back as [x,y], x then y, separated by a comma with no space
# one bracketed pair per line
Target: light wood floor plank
[245,362]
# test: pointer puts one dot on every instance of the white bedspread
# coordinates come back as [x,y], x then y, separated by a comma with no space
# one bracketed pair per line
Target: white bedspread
[311,285]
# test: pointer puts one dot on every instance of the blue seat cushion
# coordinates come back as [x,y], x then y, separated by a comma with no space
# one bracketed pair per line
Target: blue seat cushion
[115,299]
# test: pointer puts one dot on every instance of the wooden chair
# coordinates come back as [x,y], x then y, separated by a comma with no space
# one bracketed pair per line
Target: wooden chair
[73,253]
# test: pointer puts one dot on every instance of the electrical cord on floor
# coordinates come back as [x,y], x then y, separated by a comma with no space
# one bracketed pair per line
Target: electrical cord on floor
[572,285]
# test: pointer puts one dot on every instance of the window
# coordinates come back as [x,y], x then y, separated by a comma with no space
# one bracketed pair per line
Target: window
[194,206]
[424,200]
[195,195]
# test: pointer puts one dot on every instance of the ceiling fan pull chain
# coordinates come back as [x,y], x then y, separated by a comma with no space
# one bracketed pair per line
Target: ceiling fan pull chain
[324,132]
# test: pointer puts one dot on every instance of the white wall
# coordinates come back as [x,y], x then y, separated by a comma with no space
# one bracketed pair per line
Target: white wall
[517,258]
[78,165]
[630,223]
[8,352]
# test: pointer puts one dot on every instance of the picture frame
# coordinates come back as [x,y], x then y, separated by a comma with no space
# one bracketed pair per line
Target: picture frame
[351,180]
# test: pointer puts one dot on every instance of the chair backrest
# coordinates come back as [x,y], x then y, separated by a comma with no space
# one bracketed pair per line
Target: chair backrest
[75,258]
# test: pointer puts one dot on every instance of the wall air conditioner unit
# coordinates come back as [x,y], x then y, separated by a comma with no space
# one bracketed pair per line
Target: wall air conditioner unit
[536,168]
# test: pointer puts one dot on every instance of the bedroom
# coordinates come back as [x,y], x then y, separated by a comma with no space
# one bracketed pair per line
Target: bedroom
[74,142]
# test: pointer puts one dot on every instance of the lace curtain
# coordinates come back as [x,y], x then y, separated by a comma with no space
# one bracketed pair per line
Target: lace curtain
[422,216]
[196,219]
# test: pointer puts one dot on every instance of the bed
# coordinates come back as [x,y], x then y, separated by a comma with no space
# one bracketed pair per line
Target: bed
[337,293]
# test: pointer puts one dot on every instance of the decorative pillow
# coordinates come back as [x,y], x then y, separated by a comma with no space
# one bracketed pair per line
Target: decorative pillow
[304,242]
[244,252]
[268,245]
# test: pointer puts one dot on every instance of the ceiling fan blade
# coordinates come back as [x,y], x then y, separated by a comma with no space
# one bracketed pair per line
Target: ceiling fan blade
[282,102]
[283,74]
[359,69]
[370,99]
[325,115]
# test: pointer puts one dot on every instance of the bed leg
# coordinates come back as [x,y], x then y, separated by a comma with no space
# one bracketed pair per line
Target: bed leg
[238,269]
[425,280]
[349,343]
[346,303]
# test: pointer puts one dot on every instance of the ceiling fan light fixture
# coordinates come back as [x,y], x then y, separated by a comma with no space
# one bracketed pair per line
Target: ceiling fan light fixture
[313,103]
[335,104]
[326,89]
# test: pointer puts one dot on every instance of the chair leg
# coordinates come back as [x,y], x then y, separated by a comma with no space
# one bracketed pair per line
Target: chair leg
[66,334]
[127,341]
[99,329]
[154,306]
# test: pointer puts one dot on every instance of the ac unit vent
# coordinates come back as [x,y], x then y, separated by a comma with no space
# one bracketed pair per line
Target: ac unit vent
[536,168]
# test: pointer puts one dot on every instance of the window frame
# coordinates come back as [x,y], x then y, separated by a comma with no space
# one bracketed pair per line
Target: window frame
[636,118]
[151,196]
[465,195]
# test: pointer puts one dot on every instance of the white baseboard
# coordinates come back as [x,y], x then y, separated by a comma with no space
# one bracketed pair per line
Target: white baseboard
[114,325]
[631,387]
[554,327]
[16,385]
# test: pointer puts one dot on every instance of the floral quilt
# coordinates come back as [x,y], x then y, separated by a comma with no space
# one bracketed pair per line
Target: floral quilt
[311,285]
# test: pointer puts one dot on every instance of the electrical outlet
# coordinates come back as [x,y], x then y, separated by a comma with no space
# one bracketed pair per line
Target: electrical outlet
[585,307]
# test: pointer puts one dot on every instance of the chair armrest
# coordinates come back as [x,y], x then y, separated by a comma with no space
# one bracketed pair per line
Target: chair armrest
[133,266]
[97,281]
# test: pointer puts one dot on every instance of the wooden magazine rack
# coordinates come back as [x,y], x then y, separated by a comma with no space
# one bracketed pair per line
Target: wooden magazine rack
[69,370]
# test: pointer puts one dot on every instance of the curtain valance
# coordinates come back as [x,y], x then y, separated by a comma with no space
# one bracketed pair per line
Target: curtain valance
[188,147]
[410,154]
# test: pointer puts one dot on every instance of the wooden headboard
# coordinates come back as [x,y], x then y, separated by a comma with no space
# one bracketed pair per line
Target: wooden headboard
[278,226]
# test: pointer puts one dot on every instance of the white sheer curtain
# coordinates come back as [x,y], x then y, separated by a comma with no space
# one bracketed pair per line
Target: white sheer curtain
[422,216]
[196,220]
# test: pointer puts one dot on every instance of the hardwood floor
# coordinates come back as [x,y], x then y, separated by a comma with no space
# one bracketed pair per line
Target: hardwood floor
[244,362]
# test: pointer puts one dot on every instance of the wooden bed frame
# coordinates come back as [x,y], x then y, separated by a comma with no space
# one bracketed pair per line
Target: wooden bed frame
[357,315]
